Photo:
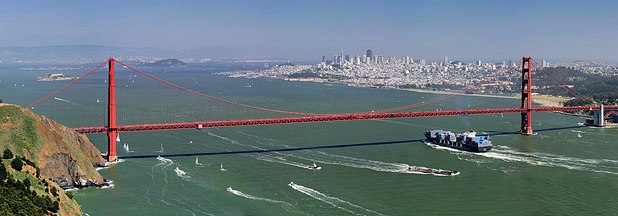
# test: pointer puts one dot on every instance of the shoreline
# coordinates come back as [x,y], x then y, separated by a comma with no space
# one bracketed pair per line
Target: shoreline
[544,101]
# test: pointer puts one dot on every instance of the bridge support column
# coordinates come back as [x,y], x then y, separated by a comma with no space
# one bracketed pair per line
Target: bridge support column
[112,132]
[526,95]
[599,117]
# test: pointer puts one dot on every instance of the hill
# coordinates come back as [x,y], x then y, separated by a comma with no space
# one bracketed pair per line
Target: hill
[52,157]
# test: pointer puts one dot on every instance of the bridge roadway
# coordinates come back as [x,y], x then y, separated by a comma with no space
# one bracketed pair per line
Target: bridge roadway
[328,118]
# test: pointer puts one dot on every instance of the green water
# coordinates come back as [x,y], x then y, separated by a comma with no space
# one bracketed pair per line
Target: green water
[555,172]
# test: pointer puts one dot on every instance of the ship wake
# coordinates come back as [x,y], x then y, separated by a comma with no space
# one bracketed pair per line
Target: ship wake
[507,154]
[287,206]
[334,201]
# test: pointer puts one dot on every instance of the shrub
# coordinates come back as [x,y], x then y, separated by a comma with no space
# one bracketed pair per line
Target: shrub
[27,183]
[7,154]
[17,164]
[54,191]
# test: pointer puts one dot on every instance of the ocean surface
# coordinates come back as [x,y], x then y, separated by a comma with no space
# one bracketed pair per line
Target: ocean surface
[565,169]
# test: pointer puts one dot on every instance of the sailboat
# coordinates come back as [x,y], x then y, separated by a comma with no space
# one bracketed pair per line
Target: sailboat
[197,162]
[222,169]
[118,137]
[126,147]
[161,148]
[579,135]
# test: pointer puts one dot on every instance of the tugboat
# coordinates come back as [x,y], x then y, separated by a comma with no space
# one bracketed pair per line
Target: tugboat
[314,167]
[433,171]
[467,141]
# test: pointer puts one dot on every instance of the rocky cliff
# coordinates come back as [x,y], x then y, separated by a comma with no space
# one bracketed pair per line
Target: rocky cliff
[62,154]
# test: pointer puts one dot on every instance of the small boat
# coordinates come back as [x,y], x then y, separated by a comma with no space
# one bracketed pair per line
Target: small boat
[118,137]
[291,184]
[579,135]
[126,147]
[197,162]
[179,172]
[314,167]
[161,148]
[190,141]
[222,169]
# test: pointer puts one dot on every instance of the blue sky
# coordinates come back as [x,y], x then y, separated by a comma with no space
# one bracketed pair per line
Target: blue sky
[310,29]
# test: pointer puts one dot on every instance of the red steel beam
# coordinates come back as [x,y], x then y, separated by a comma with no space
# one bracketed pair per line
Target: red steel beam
[327,118]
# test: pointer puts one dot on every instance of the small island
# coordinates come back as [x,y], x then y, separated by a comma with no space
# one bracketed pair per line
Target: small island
[55,77]
[172,63]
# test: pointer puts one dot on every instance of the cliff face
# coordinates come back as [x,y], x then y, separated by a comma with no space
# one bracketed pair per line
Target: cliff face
[63,155]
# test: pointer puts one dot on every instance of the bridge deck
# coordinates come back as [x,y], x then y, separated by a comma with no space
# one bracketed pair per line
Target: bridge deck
[327,118]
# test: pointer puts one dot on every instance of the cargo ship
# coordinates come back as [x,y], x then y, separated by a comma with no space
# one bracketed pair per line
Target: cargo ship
[467,141]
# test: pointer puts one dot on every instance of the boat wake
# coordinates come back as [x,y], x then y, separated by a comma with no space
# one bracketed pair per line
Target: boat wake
[325,158]
[164,161]
[284,204]
[379,166]
[505,153]
[334,201]
[182,174]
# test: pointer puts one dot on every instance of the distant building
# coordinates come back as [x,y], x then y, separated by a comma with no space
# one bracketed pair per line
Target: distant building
[544,64]
[370,54]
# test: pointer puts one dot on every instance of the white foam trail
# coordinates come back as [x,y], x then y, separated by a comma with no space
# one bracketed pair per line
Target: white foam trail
[334,201]
[541,159]
[109,164]
[164,160]
[63,100]
[282,161]
[325,158]
[248,196]
[110,185]
[180,173]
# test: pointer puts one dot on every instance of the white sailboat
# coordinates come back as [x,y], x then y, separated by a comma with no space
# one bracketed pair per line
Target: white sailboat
[579,135]
[222,169]
[118,137]
[161,148]
[197,162]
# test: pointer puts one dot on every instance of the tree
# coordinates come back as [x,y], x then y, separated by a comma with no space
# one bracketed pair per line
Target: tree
[54,191]
[27,183]
[17,164]
[3,173]
[7,153]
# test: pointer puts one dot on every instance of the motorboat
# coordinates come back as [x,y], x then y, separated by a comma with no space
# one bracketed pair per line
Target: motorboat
[314,166]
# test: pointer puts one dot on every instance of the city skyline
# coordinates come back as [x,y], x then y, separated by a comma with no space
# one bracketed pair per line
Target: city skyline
[566,30]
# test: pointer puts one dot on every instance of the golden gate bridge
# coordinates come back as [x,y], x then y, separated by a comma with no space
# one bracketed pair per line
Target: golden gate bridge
[207,111]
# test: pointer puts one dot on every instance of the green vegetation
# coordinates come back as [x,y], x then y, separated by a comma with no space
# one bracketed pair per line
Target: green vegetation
[22,133]
[7,154]
[592,87]
[16,197]
[17,164]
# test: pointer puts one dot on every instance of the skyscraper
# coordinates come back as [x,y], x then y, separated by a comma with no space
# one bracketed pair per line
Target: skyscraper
[370,54]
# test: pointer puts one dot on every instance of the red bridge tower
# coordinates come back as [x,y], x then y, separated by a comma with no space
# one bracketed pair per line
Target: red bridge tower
[112,131]
[526,95]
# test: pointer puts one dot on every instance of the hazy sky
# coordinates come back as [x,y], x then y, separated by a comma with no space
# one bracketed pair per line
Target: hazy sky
[309,29]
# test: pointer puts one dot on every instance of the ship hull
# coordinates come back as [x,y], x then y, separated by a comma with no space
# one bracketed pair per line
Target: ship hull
[459,146]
